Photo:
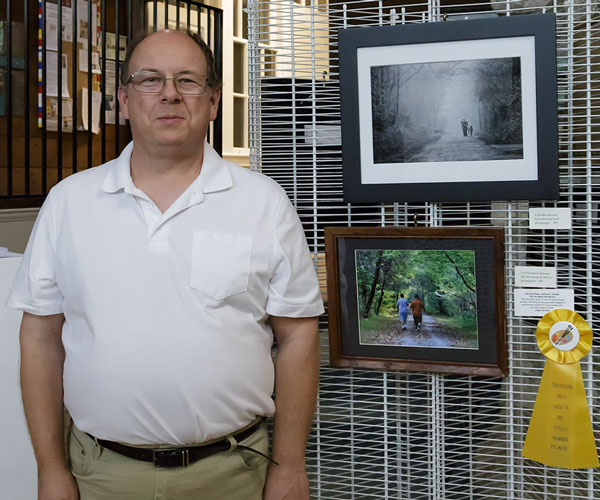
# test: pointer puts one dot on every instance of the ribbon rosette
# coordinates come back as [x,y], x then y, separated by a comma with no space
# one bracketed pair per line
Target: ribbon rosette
[560,432]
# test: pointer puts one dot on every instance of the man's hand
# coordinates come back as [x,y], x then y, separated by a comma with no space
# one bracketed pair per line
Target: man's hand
[286,483]
[57,484]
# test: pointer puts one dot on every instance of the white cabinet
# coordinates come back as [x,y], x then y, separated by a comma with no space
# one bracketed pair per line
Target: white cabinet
[18,473]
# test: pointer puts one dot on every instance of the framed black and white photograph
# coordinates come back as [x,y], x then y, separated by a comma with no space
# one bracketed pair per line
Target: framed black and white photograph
[450,111]
[417,299]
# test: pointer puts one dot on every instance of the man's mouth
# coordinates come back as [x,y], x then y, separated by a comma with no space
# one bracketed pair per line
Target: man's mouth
[170,118]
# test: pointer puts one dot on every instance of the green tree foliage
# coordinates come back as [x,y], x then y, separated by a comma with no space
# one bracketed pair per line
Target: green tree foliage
[445,279]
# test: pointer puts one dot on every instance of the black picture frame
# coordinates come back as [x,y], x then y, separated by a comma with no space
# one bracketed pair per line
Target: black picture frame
[351,344]
[383,151]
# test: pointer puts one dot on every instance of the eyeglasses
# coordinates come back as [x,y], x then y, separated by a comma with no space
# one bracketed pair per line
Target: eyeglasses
[150,82]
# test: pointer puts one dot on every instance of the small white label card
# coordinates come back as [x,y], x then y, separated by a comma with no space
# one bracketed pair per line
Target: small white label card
[538,301]
[538,277]
[323,135]
[549,218]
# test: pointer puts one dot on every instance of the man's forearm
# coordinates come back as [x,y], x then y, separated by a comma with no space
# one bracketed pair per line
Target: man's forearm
[296,386]
[42,358]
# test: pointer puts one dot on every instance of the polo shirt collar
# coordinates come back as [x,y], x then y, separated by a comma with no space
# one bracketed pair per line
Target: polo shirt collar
[214,175]
[119,175]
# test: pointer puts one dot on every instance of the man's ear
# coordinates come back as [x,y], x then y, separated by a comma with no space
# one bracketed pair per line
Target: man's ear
[215,96]
[123,97]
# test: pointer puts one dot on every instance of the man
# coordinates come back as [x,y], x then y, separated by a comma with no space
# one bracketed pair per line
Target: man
[418,308]
[151,287]
[465,125]
[402,310]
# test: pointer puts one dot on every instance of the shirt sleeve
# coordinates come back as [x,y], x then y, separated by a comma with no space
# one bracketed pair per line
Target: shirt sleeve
[294,288]
[34,289]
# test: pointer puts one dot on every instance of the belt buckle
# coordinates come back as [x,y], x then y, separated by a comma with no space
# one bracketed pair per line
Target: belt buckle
[168,455]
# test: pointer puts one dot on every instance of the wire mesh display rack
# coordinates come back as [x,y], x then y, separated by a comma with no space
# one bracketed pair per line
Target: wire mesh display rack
[386,435]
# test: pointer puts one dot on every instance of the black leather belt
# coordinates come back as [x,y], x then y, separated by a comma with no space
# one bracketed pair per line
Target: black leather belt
[177,457]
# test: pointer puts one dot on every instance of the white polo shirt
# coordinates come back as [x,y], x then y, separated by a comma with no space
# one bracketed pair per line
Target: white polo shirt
[166,333]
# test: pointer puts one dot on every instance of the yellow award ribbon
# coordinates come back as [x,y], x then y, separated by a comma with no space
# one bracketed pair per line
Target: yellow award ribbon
[560,431]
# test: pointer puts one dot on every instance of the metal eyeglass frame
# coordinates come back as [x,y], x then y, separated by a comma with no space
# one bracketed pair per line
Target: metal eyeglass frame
[165,78]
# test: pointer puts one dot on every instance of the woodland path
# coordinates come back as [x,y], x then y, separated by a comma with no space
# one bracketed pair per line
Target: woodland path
[456,147]
[432,334]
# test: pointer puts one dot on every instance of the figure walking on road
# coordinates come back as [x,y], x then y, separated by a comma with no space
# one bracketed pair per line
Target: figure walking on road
[402,310]
[418,308]
[465,126]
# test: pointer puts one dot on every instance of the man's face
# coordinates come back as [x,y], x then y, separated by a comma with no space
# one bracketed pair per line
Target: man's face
[168,118]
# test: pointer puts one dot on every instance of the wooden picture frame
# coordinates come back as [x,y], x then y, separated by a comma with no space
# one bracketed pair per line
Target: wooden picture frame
[458,274]
[450,111]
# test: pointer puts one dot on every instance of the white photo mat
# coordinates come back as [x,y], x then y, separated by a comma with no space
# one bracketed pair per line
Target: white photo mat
[525,169]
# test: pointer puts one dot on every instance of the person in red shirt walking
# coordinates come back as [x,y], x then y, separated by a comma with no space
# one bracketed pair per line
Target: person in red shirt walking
[418,308]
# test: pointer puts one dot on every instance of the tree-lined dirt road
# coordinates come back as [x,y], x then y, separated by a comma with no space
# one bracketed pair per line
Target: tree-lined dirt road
[456,147]
[432,334]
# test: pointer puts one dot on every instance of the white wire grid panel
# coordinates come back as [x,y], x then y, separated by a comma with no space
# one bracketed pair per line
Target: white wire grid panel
[426,436]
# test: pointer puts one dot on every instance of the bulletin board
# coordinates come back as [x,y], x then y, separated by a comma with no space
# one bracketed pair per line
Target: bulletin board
[81,69]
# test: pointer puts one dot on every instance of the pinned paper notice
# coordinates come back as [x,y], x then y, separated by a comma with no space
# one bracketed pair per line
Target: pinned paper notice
[52,75]
[96,101]
[52,114]
[538,301]
[530,276]
[51,26]
[549,218]
[83,62]
[110,96]
[83,30]
[111,46]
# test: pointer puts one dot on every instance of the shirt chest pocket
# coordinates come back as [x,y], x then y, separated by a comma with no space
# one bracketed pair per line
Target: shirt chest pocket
[220,263]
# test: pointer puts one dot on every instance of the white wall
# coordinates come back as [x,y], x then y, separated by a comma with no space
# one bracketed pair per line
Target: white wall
[18,473]
[15,228]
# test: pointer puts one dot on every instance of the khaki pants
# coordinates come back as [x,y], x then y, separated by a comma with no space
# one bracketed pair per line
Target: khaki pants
[230,475]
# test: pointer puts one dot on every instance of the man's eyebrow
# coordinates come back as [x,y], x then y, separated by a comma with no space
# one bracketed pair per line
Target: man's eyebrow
[184,72]
[149,70]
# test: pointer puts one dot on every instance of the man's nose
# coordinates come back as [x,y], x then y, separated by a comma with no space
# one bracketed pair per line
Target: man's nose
[169,90]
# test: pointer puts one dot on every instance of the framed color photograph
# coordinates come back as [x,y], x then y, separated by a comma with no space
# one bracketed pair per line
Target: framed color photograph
[417,299]
[450,111]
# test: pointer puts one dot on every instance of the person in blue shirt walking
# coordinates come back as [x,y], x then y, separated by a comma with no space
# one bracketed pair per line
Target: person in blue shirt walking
[403,310]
